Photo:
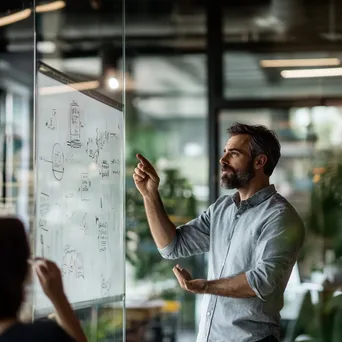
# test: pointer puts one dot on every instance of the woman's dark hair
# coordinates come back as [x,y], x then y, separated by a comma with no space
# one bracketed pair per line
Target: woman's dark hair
[263,141]
[14,254]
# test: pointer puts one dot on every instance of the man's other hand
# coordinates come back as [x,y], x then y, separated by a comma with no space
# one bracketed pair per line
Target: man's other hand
[187,283]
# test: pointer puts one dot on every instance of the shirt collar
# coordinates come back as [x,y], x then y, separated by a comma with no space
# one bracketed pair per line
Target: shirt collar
[259,197]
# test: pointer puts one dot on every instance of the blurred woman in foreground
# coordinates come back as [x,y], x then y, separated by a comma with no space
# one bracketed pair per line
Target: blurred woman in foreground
[15,271]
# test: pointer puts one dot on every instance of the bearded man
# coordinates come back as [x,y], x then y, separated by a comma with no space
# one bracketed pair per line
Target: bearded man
[253,239]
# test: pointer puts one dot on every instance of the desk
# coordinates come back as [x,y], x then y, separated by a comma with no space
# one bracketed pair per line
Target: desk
[139,316]
[157,317]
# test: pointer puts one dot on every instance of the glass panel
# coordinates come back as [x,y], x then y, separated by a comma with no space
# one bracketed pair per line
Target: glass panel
[279,49]
[166,122]
[103,322]
[245,75]
[16,90]
[309,176]
[84,40]
[16,114]
[276,21]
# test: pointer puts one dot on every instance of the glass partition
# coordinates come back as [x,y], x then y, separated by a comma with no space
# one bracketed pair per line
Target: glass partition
[84,40]
[16,116]
[308,175]
[166,122]
[282,69]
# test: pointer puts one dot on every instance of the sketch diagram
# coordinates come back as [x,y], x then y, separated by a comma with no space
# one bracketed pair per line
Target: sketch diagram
[104,171]
[84,224]
[80,186]
[44,247]
[102,235]
[95,145]
[72,263]
[114,135]
[68,260]
[51,123]
[79,266]
[92,149]
[115,163]
[57,161]
[75,126]
[85,187]
[105,208]
[104,203]
[69,206]
[105,286]
[101,138]
[44,207]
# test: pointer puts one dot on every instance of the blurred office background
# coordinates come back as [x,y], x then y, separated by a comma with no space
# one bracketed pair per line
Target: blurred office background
[192,68]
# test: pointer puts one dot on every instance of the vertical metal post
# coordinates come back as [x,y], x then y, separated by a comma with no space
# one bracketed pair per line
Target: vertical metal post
[8,155]
[94,323]
[124,314]
[215,88]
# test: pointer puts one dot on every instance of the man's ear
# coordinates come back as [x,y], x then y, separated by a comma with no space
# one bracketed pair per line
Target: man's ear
[260,161]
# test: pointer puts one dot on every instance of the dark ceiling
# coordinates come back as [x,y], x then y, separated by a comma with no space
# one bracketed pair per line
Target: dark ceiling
[267,28]
[83,26]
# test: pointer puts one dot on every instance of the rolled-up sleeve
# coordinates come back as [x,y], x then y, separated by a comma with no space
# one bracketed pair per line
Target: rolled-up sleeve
[276,253]
[190,239]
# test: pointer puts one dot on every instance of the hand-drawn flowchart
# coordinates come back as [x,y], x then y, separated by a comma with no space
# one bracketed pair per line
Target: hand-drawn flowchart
[57,161]
[80,192]
[75,126]
[72,263]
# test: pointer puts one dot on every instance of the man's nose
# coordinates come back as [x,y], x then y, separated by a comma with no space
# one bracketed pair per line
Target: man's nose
[224,160]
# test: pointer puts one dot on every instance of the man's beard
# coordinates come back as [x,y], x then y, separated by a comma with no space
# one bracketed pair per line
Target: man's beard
[237,179]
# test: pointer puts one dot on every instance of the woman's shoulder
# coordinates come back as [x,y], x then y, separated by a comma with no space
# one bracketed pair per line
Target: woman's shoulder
[42,330]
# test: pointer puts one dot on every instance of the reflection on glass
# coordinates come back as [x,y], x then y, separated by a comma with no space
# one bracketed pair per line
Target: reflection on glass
[309,175]
[166,123]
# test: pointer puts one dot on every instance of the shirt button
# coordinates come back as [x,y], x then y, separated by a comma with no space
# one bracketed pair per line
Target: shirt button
[209,313]
[238,216]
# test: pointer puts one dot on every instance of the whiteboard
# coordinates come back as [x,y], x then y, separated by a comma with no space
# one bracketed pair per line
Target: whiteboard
[79,189]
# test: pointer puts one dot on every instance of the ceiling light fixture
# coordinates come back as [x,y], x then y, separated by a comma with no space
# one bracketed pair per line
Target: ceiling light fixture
[309,73]
[12,18]
[113,83]
[52,6]
[46,47]
[311,62]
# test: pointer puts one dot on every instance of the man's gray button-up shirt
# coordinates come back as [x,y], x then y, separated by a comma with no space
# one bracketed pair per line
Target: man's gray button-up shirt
[260,237]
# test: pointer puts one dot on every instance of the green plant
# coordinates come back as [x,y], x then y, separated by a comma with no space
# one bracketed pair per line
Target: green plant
[180,204]
[325,215]
[325,222]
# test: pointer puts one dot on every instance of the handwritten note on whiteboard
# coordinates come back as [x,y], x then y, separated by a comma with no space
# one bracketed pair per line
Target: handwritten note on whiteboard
[79,211]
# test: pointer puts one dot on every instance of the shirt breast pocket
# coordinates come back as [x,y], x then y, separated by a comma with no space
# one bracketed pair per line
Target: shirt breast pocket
[243,245]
